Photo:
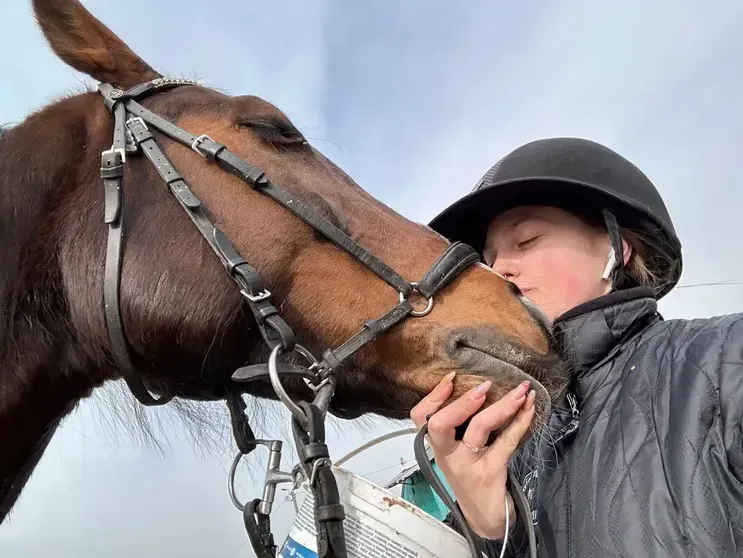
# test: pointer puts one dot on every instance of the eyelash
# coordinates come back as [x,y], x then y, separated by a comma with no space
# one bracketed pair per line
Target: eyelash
[276,134]
[525,243]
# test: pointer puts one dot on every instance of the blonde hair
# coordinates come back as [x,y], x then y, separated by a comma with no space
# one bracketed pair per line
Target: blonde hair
[648,267]
[637,266]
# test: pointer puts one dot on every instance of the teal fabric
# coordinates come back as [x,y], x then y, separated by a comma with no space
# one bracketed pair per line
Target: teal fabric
[418,492]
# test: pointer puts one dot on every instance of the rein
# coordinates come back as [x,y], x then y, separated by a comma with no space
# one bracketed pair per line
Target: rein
[133,133]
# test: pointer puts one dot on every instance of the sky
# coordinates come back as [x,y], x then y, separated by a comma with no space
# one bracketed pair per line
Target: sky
[415,100]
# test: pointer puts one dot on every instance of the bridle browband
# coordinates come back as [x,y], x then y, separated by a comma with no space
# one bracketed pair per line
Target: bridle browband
[133,125]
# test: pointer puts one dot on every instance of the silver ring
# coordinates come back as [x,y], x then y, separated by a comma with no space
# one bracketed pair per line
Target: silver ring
[231,482]
[418,313]
[273,374]
[312,367]
[474,449]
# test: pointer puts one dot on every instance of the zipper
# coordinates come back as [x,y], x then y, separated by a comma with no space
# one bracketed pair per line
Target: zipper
[569,506]
[569,429]
[572,426]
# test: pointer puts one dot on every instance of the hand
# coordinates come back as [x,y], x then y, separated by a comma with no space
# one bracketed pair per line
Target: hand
[478,479]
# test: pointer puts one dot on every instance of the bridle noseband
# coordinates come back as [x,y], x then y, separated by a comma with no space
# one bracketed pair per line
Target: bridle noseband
[133,133]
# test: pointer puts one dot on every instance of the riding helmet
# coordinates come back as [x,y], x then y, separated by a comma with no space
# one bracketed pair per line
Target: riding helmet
[570,173]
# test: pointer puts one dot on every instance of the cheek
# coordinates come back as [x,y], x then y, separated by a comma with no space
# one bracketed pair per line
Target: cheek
[563,280]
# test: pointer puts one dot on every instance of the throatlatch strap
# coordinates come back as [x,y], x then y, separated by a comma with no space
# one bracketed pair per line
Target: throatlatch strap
[112,177]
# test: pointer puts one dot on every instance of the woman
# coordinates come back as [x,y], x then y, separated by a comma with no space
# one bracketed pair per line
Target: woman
[644,453]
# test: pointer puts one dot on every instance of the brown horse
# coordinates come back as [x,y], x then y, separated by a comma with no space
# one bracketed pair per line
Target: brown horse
[188,325]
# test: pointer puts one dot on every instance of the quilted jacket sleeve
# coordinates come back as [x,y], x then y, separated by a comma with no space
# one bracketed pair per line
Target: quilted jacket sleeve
[731,394]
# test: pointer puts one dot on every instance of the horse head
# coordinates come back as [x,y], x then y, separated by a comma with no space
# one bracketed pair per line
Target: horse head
[188,325]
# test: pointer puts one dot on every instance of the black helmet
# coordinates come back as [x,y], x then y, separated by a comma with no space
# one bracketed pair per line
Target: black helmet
[573,173]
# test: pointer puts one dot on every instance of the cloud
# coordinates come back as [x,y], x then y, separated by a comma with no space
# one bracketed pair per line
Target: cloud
[415,100]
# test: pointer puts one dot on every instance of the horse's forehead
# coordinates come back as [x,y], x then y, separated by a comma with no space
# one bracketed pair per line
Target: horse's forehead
[192,100]
[250,104]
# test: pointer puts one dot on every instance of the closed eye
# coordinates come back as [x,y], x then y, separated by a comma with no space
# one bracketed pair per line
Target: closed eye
[275,131]
[526,243]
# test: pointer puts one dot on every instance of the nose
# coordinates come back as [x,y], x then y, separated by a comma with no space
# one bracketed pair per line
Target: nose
[506,267]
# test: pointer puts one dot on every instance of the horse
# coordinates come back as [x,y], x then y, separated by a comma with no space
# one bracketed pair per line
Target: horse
[187,326]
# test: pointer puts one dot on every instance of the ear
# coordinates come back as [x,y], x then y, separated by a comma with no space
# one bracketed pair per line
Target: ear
[87,45]
[626,251]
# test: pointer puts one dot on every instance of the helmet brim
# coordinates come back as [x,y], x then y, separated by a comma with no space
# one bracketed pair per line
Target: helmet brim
[467,219]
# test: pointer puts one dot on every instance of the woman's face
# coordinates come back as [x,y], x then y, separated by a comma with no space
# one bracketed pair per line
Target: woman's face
[554,258]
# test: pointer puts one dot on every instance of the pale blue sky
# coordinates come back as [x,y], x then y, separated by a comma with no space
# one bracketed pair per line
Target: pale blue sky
[415,100]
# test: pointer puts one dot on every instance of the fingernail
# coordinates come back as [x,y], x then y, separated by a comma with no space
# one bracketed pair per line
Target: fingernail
[521,390]
[481,390]
[448,378]
[530,399]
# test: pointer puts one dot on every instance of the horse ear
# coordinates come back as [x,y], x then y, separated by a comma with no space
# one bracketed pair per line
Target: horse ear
[87,45]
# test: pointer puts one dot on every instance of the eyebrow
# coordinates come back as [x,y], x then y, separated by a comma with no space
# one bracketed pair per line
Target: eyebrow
[488,249]
[521,220]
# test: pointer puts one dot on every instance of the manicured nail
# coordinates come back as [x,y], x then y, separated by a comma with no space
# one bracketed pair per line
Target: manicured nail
[530,399]
[521,390]
[481,390]
[448,378]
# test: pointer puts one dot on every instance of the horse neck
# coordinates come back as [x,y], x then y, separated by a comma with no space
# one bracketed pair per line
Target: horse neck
[38,386]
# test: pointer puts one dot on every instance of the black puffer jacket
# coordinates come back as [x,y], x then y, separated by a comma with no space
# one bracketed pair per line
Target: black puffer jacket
[649,463]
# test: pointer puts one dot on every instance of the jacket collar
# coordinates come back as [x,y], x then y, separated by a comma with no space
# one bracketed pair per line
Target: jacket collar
[596,330]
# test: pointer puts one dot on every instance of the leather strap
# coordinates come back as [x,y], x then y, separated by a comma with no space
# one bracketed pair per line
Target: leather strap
[329,513]
[253,372]
[243,434]
[257,179]
[455,259]
[272,327]
[333,359]
[112,176]
[258,526]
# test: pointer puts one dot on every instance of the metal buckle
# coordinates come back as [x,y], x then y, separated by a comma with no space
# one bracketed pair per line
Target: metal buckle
[136,119]
[419,313]
[120,150]
[263,295]
[198,141]
[312,368]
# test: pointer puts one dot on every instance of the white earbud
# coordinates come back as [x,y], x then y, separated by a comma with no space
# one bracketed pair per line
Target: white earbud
[611,262]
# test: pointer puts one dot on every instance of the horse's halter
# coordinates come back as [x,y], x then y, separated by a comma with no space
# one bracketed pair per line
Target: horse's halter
[132,133]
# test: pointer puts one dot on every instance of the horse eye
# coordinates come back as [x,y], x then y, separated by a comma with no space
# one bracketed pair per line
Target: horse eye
[276,133]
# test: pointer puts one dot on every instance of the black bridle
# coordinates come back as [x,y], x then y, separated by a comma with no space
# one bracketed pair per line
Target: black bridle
[133,125]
